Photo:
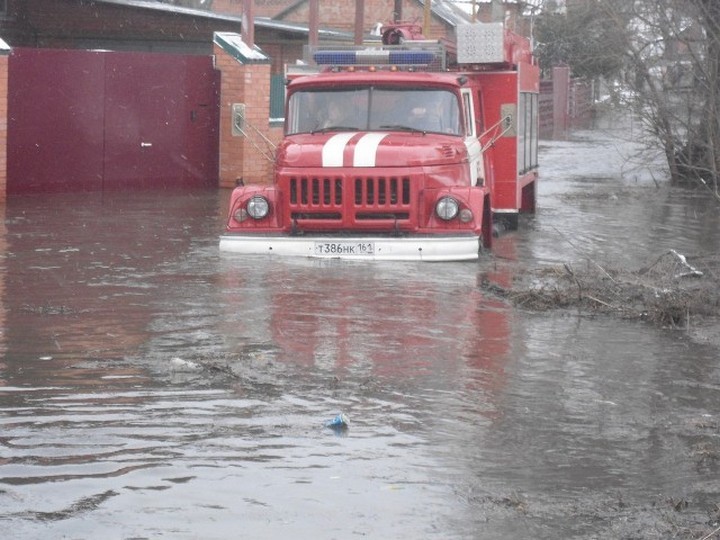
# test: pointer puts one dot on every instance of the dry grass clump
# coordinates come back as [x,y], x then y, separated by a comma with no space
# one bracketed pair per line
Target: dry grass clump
[667,292]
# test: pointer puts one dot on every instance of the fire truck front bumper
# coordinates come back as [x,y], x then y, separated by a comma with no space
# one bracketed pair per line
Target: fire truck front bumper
[412,248]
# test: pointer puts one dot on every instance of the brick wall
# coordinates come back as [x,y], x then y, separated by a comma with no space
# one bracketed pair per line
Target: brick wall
[263,8]
[341,16]
[338,15]
[249,84]
[546,109]
[565,104]
[282,53]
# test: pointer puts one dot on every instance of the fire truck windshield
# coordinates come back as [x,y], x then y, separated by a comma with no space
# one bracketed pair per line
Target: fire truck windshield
[373,108]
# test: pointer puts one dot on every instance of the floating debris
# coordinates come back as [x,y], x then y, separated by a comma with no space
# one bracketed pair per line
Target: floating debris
[660,292]
[340,423]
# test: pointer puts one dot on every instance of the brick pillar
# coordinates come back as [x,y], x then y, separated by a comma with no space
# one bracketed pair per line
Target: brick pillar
[561,101]
[4,57]
[245,81]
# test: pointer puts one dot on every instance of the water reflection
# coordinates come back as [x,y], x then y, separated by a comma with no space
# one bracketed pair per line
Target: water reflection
[81,279]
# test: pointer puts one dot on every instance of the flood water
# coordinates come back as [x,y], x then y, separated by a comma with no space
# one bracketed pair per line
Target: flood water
[151,387]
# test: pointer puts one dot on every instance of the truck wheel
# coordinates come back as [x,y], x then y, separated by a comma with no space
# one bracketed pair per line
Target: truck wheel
[509,222]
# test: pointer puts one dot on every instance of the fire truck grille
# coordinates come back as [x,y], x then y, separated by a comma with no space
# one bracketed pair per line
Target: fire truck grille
[382,192]
[365,199]
[314,192]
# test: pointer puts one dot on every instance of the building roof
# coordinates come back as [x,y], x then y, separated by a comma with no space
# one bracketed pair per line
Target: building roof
[296,28]
[156,5]
[260,22]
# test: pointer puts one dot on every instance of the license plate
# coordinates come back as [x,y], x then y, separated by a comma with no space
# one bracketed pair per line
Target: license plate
[340,249]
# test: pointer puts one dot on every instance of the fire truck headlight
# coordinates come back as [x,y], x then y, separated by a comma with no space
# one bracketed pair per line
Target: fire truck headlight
[447,208]
[258,207]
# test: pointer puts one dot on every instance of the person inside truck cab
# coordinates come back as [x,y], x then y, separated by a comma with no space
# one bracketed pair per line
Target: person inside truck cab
[422,117]
[435,112]
[335,116]
[425,112]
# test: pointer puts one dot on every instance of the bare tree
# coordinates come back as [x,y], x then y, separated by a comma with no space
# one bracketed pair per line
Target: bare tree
[666,56]
[672,67]
[580,38]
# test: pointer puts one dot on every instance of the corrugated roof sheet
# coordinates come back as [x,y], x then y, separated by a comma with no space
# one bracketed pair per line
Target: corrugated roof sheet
[262,22]
[171,8]
[447,11]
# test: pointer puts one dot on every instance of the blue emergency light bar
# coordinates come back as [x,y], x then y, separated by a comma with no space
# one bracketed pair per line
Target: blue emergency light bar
[374,56]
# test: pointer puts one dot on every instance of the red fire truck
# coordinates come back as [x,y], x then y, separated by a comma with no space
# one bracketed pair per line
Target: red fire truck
[407,150]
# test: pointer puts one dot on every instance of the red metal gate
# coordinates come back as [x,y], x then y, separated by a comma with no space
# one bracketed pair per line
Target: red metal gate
[98,120]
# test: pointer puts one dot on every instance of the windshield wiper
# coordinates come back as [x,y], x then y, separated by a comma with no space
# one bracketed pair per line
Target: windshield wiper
[334,128]
[401,127]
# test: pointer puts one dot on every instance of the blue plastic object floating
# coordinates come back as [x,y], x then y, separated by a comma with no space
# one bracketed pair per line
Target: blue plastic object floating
[340,422]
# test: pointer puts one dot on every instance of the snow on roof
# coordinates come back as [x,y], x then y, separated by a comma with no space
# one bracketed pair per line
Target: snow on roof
[170,8]
[241,50]
[4,47]
[267,22]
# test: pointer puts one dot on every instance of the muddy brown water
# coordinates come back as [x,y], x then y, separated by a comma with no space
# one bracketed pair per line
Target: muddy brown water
[151,387]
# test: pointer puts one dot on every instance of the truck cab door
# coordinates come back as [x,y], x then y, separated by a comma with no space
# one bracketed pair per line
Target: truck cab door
[472,143]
